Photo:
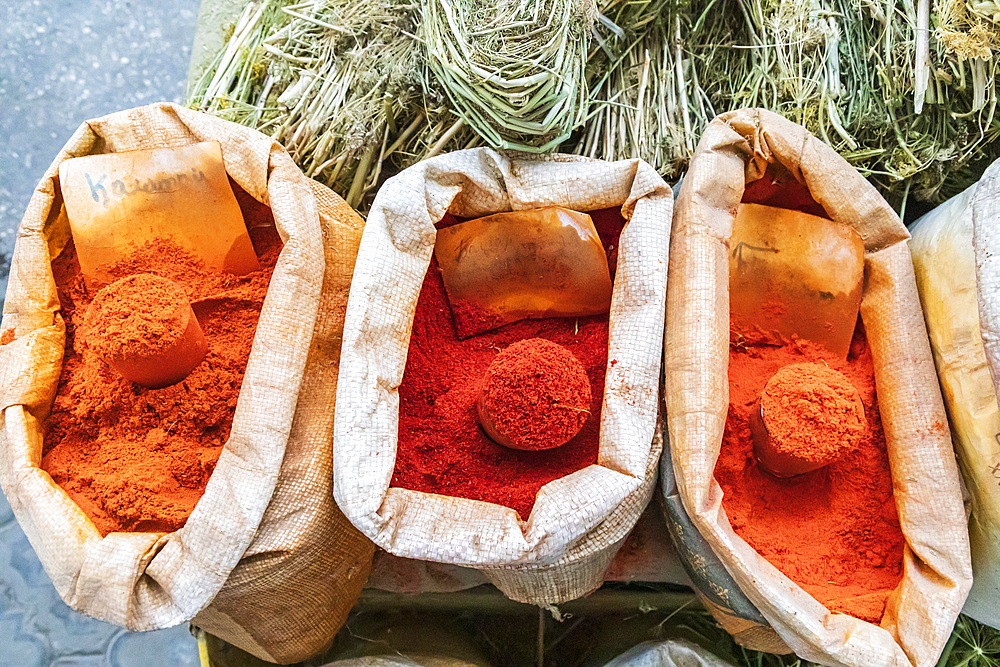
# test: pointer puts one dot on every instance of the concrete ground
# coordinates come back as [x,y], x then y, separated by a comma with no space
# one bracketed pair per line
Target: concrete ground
[63,62]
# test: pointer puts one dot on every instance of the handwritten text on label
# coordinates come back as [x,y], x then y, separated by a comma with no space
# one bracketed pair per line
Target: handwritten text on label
[120,190]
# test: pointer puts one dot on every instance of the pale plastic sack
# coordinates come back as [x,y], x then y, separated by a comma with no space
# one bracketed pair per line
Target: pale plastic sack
[947,247]
[578,522]
[265,542]
[921,611]
[669,653]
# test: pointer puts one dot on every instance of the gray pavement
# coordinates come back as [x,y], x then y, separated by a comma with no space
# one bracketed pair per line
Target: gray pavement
[63,62]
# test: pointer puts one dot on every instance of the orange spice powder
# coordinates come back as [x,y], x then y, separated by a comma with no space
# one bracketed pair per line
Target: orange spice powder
[834,531]
[812,412]
[140,315]
[137,459]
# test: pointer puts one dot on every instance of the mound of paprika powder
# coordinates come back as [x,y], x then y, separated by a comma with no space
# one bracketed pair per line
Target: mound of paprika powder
[137,459]
[810,415]
[535,396]
[440,447]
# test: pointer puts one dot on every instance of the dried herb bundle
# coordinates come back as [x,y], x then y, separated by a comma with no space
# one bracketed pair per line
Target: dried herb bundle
[514,69]
[358,89]
[851,71]
[339,83]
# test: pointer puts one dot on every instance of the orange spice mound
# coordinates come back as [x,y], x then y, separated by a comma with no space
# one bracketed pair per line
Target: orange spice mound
[812,412]
[137,459]
[7,336]
[537,394]
[138,316]
[834,531]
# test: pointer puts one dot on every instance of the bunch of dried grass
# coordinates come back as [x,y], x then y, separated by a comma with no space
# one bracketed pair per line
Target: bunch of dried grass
[514,69]
[357,90]
[339,83]
[869,78]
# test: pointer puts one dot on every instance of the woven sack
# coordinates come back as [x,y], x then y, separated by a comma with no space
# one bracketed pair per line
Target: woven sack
[921,611]
[952,245]
[579,521]
[712,583]
[265,541]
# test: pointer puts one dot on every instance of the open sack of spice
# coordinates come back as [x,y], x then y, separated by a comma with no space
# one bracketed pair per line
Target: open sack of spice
[168,370]
[480,314]
[953,250]
[821,476]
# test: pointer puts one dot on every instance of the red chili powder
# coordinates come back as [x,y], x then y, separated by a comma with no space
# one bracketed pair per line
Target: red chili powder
[137,459]
[535,395]
[470,319]
[812,412]
[440,447]
[835,531]
[779,188]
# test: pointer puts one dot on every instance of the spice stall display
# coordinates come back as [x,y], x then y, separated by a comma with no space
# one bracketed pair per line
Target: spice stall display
[413,470]
[948,248]
[917,569]
[208,498]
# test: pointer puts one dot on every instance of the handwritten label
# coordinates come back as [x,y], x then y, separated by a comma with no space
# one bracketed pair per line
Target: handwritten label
[995,468]
[744,246]
[120,189]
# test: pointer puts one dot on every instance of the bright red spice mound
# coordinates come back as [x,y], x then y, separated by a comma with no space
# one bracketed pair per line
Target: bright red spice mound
[835,531]
[536,395]
[440,447]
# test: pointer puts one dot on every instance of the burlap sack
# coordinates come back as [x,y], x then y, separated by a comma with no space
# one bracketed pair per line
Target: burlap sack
[265,541]
[945,263]
[579,521]
[734,150]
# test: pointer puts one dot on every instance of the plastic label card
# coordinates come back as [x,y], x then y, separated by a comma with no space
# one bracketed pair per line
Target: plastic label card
[794,275]
[511,266]
[118,202]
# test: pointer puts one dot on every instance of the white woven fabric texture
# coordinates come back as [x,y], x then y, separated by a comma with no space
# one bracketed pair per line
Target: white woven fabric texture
[734,150]
[578,521]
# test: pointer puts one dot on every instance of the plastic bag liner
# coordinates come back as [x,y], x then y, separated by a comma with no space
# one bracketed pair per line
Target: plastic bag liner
[578,521]
[265,542]
[736,149]
[669,653]
[951,245]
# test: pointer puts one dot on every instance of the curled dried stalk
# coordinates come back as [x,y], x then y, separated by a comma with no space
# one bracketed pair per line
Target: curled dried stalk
[513,70]
[339,83]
